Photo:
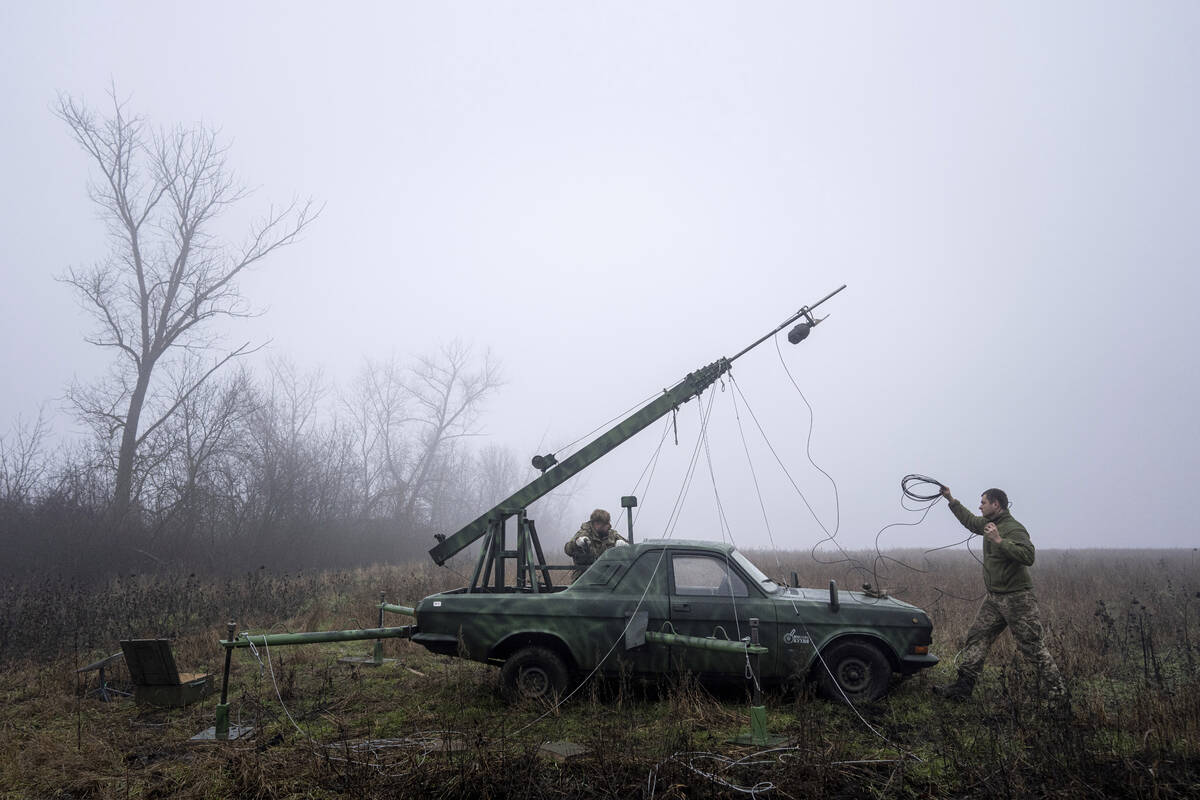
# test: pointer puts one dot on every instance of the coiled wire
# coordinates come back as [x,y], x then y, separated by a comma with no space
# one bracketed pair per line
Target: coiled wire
[913,479]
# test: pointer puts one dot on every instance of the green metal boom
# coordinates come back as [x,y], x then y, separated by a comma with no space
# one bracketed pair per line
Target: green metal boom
[691,386]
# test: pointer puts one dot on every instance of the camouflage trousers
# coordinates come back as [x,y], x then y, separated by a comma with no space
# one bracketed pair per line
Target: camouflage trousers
[1019,611]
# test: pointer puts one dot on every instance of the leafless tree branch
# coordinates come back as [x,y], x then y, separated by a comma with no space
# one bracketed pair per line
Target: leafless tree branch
[167,276]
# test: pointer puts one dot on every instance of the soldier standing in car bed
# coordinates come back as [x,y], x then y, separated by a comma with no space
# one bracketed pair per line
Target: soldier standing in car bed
[594,537]
[1007,555]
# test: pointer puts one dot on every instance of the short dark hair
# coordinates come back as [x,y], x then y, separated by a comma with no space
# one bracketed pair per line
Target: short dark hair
[997,496]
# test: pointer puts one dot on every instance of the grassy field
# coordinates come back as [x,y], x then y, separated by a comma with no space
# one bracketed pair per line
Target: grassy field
[1122,625]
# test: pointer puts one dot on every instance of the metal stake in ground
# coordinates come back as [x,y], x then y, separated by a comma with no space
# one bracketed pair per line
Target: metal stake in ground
[758,735]
[378,652]
[222,726]
[222,732]
[376,658]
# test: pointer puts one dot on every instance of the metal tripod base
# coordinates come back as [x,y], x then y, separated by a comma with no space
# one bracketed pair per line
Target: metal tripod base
[758,735]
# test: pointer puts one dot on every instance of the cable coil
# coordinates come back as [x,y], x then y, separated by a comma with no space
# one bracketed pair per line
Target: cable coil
[914,479]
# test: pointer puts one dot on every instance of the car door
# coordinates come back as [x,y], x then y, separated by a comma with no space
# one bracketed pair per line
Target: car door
[642,589]
[711,597]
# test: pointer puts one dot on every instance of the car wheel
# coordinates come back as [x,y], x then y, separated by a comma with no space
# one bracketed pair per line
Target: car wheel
[533,673]
[857,669]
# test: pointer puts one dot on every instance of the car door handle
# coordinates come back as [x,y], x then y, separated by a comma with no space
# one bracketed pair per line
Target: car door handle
[681,606]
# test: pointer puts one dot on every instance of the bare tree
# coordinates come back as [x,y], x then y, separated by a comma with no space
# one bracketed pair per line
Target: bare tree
[447,392]
[22,461]
[496,474]
[167,275]
[407,420]
[209,428]
[301,458]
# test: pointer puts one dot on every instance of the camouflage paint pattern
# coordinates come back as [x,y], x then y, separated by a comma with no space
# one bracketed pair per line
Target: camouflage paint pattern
[314,637]
[691,386]
[585,622]
[1018,611]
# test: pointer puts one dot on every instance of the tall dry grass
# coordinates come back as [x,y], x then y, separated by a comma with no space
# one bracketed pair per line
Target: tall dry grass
[1122,625]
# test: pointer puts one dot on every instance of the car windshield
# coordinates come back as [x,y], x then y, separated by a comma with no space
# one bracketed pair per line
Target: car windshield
[769,586]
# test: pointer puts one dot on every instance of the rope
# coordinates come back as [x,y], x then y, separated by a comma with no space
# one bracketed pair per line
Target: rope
[669,532]
[811,639]
[808,442]
[754,477]
[602,425]
[726,536]
[829,536]
[912,489]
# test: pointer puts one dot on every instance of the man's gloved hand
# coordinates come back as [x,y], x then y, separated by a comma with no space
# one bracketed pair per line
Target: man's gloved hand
[581,541]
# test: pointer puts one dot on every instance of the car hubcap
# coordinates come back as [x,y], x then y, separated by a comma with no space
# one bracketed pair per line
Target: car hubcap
[854,675]
[534,682]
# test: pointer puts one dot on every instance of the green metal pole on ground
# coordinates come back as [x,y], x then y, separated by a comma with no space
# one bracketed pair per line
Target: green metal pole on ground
[222,727]
[758,735]
[758,712]
[703,643]
[378,653]
[397,610]
[222,731]
[313,637]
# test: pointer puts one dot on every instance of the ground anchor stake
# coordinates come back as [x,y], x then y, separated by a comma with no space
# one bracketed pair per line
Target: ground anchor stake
[376,658]
[223,731]
[758,735]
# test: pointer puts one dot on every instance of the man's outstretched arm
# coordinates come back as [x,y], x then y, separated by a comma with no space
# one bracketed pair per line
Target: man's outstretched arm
[969,521]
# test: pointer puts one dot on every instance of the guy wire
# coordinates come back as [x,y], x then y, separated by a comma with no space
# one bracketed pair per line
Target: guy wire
[907,486]
[705,411]
[602,425]
[754,477]
[829,537]
[837,507]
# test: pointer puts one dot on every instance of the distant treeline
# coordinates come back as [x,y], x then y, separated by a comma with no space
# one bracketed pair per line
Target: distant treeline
[278,472]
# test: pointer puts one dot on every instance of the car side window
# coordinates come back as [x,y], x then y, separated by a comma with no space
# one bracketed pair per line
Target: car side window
[650,568]
[702,576]
[601,574]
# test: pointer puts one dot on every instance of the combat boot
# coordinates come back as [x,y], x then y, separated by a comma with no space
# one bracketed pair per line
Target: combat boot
[959,690]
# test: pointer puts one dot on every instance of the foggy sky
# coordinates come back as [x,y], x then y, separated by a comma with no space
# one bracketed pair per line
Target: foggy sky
[610,195]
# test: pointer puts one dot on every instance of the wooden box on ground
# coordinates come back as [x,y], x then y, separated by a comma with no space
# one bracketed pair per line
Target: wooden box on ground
[156,679]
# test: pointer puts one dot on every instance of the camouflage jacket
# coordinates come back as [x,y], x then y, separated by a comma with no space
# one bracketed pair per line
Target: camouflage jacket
[592,545]
[1005,563]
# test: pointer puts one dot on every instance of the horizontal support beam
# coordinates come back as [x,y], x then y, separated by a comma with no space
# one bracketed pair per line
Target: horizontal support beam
[705,643]
[398,609]
[315,637]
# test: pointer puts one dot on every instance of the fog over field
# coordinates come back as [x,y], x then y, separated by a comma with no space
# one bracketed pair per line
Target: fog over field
[608,196]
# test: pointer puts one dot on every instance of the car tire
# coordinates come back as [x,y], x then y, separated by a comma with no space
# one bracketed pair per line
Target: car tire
[857,669]
[533,673]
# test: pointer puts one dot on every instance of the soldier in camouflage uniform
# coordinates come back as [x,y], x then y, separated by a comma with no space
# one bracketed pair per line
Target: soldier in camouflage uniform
[1007,555]
[594,537]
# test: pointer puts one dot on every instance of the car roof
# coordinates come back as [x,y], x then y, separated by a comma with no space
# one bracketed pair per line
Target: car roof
[634,550]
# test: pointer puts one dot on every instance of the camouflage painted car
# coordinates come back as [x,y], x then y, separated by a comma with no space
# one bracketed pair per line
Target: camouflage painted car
[547,641]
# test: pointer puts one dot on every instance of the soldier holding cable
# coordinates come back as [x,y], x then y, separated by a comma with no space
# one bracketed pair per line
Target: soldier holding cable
[1007,555]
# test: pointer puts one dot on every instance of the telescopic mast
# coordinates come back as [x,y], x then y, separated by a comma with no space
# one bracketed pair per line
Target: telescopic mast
[555,473]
